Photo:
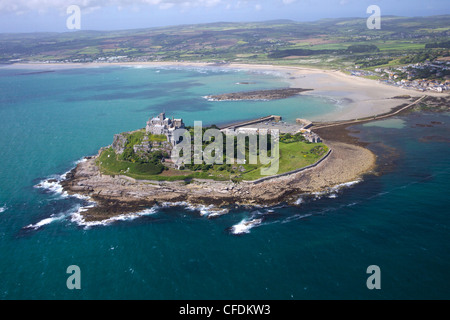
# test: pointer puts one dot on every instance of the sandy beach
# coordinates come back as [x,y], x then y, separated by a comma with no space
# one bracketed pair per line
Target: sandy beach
[348,162]
[357,97]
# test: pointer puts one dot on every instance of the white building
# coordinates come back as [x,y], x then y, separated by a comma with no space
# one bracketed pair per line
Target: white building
[161,125]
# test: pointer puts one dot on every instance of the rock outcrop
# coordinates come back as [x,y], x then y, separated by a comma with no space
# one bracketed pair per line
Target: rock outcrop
[120,194]
[119,142]
[273,94]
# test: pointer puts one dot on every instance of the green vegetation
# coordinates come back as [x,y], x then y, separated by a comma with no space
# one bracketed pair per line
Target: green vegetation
[327,43]
[444,44]
[373,62]
[296,52]
[110,164]
[361,48]
[289,138]
[132,139]
[157,137]
[421,57]
[152,158]
[295,153]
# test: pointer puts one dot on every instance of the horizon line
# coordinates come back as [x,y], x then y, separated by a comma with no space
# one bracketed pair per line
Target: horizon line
[215,22]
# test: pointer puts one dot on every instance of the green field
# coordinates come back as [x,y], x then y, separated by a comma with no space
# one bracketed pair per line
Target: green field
[111,165]
[293,156]
[245,42]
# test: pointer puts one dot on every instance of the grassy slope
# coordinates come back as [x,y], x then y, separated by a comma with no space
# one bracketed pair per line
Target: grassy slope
[292,156]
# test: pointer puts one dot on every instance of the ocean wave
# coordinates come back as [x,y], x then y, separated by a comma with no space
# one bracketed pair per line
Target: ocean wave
[137,66]
[296,217]
[59,217]
[345,185]
[53,183]
[210,211]
[205,211]
[78,218]
[3,209]
[245,225]
[332,192]
[255,219]
[45,221]
[77,162]
[205,69]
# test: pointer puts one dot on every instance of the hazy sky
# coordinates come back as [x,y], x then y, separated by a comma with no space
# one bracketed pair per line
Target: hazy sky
[51,15]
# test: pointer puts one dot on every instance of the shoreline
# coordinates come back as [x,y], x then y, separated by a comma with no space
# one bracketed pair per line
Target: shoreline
[119,195]
[350,160]
[358,97]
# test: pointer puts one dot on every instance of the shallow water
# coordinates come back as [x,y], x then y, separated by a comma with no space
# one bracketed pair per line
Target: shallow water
[388,123]
[320,249]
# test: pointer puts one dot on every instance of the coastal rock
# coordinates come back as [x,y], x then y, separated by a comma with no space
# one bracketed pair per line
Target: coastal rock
[119,142]
[117,195]
[273,94]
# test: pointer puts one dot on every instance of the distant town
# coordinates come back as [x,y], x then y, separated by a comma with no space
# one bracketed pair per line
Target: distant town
[417,76]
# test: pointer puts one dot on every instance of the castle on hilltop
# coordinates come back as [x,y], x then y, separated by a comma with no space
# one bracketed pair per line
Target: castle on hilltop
[162,125]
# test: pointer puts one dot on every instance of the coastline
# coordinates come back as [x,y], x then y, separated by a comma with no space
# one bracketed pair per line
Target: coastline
[349,162]
[118,195]
[357,97]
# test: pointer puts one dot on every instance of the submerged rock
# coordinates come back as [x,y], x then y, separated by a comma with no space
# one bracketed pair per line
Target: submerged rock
[272,94]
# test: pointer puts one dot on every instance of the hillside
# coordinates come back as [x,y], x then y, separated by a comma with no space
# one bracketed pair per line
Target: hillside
[327,43]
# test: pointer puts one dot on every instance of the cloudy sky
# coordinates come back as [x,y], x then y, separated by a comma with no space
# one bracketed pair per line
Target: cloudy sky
[51,15]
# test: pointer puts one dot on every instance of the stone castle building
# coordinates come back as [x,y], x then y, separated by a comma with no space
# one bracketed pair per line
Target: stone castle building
[162,125]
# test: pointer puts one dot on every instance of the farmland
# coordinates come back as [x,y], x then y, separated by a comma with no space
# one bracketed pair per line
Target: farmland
[325,43]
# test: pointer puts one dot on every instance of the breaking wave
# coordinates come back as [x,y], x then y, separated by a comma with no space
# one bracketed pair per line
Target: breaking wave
[245,225]
[45,221]
[53,184]
[207,211]
[268,216]
[331,192]
[210,211]
[78,218]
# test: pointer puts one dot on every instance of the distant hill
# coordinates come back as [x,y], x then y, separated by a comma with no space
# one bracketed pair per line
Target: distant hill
[250,42]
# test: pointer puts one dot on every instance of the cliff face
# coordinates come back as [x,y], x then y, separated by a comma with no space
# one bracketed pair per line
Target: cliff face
[119,143]
[142,147]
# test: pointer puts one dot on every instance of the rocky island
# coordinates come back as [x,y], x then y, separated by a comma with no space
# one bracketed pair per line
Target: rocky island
[273,94]
[135,173]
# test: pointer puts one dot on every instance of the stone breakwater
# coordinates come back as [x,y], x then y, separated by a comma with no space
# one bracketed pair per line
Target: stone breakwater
[272,94]
[116,195]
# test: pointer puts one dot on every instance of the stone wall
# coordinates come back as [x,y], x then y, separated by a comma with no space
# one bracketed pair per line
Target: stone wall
[291,172]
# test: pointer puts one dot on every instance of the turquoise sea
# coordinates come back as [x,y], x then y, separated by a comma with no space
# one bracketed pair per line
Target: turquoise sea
[399,220]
